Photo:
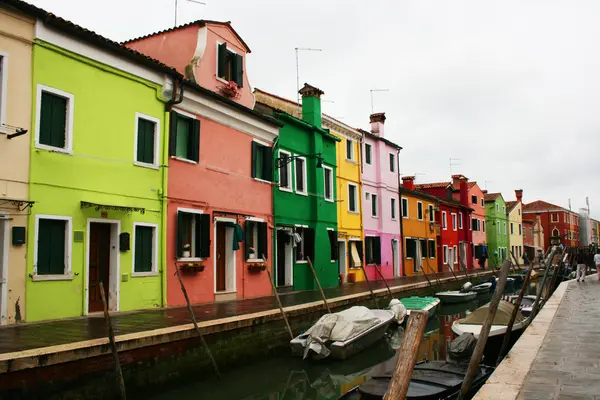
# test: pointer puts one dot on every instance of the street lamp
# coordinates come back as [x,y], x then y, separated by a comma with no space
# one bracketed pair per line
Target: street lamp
[285,160]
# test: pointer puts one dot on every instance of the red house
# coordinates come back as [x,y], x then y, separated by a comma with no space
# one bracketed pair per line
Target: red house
[561,226]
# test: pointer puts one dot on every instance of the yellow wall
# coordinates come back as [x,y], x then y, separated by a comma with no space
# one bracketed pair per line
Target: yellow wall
[16,36]
[515,239]
[412,227]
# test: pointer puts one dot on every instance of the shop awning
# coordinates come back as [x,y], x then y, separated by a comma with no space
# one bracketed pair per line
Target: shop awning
[108,207]
[356,261]
[20,205]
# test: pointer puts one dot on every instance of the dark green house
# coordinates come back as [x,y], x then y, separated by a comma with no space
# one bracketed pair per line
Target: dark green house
[304,196]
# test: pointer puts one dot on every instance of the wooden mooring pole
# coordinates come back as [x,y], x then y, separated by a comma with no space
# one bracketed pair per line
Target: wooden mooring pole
[536,305]
[485,331]
[513,316]
[407,356]
[287,324]
[193,317]
[369,286]
[318,284]
[384,281]
[437,280]
[113,345]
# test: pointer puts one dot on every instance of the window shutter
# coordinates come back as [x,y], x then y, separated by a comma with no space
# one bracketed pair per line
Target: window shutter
[43,247]
[204,235]
[309,244]
[247,238]
[57,247]
[145,144]
[333,245]
[359,247]
[254,159]
[377,250]
[268,164]
[222,60]
[238,71]
[45,123]
[194,149]
[59,120]
[262,240]
[172,133]
[180,234]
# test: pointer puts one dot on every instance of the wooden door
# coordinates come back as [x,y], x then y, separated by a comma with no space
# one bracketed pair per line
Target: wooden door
[221,262]
[99,265]
[281,238]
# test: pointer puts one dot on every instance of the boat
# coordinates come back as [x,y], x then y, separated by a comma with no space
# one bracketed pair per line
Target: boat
[343,334]
[456,296]
[527,303]
[429,380]
[416,303]
[534,275]
[482,288]
[510,284]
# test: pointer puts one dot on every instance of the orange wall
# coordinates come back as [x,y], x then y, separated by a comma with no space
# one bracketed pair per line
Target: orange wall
[413,228]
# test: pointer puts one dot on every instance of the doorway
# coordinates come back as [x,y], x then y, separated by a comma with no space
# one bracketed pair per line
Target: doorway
[4,235]
[395,258]
[342,257]
[284,258]
[224,255]
[99,265]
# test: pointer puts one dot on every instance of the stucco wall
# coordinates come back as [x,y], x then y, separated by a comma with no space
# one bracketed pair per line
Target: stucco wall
[515,239]
[412,227]
[496,240]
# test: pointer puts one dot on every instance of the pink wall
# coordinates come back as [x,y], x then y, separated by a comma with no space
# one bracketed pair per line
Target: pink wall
[478,212]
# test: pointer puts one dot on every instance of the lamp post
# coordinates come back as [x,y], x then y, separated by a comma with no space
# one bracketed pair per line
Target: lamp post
[285,160]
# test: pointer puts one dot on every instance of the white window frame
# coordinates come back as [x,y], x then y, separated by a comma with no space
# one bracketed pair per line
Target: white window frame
[368,160]
[504,228]
[420,203]
[325,168]
[470,222]
[156,121]
[191,116]
[445,254]
[455,255]
[431,212]
[431,240]
[154,271]
[68,149]
[392,157]
[3,85]
[454,222]
[497,207]
[375,201]
[504,209]
[288,167]
[189,211]
[352,155]
[355,198]
[512,228]
[552,219]
[305,191]
[520,230]
[255,237]
[499,228]
[483,225]
[557,230]
[67,275]
[482,202]
[404,200]
[393,212]
[460,220]
[444,220]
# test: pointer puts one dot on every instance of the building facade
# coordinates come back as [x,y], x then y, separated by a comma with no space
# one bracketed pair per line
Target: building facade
[478,228]
[219,211]
[497,228]
[514,214]
[557,222]
[16,38]
[380,209]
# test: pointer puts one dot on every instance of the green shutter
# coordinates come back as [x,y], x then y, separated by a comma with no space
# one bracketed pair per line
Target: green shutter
[172,133]
[145,141]
[268,164]
[247,238]
[204,235]
[53,119]
[43,247]
[238,70]
[143,249]
[222,60]
[255,159]
[182,142]
[194,146]
[262,240]
[51,247]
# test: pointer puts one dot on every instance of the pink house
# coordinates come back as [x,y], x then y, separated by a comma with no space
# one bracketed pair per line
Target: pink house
[219,199]
[381,207]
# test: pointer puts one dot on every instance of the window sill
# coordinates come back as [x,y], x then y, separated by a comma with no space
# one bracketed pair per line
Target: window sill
[302,193]
[67,277]
[353,212]
[302,262]
[145,165]
[352,161]
[262,181]
[143,274]
[329,200]
[221,79]
[184,160]
[255,260]
[190,259]
[54,149]
[286,189]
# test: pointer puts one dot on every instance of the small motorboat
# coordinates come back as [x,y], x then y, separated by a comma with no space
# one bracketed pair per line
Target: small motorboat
[527,303]
[456,296]
[482,288]
[416,303]
[343,334]
[510,284]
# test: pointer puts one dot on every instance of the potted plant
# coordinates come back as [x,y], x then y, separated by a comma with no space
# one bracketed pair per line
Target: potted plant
[230,90]
[252,253]
[186,251]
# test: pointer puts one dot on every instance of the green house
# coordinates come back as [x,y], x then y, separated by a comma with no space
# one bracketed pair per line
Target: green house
[497,228]
[304,197]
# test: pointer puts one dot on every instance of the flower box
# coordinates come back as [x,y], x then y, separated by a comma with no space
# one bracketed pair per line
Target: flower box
[191,267]
[257,267]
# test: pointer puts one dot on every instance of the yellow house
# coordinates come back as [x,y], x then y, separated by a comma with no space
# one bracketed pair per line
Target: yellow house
[514,213]
[16,38]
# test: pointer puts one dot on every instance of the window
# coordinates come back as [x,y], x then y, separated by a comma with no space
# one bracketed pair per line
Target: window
[423,244]
[445,253]
[306,247]
[300,171]
[54,125]
[404,207]
[146,140]
[285,173]
[505,228]
[554,218]
[483,225]
[393,208]
[531,232]
[460,220]
[349,149]
[392,162]
[482,203]
[474,199]
[419,211]
[411,248]
[470,222]
[432,249]
[373,250]
[53,252]
[230,66]
[474,224]
[333,245]
[497,208]
[431,214]
[193,234]
[498,228]
[262,161]
[504,209]
[444,222]
[512,230]
[367,196]
[519,212]
[520,229]
[368,150]
[520,251]
[455,254]
[3,84]
[256,239]
[453,221]
[328,177]
[352,197]
[373,205]
[184,137]
[145,248]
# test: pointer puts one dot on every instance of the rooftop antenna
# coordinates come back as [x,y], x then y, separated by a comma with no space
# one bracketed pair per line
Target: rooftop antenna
[376,90]
[453,162]
[298,49]
[191,1]
[485,184]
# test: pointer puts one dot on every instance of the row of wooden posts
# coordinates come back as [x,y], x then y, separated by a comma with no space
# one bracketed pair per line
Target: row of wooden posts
[414,332]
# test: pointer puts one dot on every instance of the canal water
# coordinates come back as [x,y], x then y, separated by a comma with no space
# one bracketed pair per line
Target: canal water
[288,378]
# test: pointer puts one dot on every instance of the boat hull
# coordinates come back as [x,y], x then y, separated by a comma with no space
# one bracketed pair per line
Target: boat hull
[455,297]
[495,337]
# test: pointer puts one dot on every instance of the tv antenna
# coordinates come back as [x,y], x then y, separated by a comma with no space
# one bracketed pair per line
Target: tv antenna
[453,162]
[298,49]
[191,1]
[485,184]
[376,90]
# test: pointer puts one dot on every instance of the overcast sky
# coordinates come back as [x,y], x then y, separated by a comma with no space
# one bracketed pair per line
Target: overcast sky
[511,88]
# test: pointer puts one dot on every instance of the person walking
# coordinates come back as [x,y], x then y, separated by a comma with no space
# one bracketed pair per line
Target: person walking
[597,262]
[581,260]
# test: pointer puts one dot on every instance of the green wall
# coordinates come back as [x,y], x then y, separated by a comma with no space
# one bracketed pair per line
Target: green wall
[496,241]
[299,137]
[100,170]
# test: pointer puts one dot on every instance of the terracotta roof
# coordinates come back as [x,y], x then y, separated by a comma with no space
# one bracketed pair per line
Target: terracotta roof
[510,205]
[540,205]
[200,23]
[434,185]
[491,196]
[418,193]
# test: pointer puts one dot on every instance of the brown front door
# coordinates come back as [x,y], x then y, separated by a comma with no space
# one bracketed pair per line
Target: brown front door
[99,262]
[220,257]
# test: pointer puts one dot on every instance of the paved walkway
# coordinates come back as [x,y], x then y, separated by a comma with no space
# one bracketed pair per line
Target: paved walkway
[20,337]
[567,365]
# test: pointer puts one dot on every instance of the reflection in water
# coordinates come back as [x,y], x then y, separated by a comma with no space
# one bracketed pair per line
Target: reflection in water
[287,378]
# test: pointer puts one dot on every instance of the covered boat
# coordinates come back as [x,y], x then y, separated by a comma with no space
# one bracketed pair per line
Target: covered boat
[343,334]
[527,303]
[482,288]
[416,303]
[456,296]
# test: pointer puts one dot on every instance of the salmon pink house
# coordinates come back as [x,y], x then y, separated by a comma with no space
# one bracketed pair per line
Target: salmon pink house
[219,197]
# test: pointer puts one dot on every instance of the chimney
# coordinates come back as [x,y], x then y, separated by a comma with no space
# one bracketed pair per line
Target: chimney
[311,105]
[377,121]
[519,194]
[408,182]
[484,191]
[464,190]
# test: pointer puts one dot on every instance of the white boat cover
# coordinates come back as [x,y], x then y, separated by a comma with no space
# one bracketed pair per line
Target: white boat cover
[398,309]
[502,316]
[339,326]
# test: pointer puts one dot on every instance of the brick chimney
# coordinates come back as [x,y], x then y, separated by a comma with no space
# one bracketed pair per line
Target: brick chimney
[464,190]
[377,122]
[311,105]
[519,194]
[408,182]
[484,191]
